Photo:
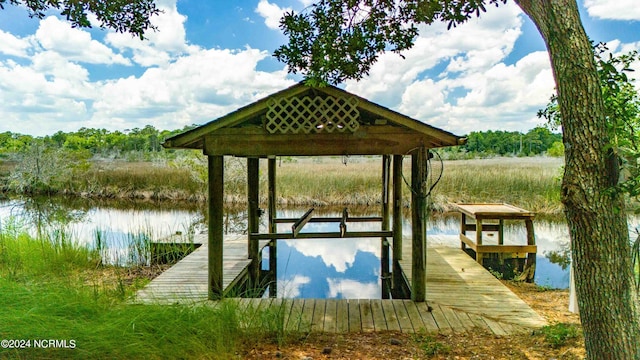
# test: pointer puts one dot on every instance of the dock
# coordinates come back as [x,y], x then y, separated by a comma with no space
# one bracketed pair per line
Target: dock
[187,280]
[462,297]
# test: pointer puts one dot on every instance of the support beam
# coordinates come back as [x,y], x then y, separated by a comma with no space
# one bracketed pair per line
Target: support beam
[253,215]
[396,271]
[368,140]
[321,235]
[216,215]
[273,227]
[384,242]
[419,224]
[332,219]
[529,270]
[300,223]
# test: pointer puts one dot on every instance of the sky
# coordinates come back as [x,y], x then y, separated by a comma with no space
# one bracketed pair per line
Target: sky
[209,58]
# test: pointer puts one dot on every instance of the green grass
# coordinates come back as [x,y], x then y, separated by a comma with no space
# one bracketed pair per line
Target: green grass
[560,334]
[531,183]
[430,345]
[57,290]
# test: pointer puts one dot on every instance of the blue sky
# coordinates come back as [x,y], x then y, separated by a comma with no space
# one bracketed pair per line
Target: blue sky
[211,57]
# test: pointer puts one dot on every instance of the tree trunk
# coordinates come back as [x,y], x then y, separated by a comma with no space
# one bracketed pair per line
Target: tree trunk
[597,222]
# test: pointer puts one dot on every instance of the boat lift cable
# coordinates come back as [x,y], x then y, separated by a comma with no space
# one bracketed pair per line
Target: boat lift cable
[429,170]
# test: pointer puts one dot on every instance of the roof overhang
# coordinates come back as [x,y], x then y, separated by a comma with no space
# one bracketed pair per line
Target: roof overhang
[379,130]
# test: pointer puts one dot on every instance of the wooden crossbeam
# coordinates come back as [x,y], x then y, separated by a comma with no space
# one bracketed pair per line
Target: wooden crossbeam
[301,222]
[321,235]
[330,219]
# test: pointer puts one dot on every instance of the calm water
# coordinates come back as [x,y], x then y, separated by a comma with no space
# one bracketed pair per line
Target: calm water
[331,268]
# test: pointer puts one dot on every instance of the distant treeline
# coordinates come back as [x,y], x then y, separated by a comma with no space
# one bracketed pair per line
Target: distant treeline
[118,144]
[537,141]
[99,142]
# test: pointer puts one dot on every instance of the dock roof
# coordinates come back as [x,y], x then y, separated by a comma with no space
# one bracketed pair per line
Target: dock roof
[312,121]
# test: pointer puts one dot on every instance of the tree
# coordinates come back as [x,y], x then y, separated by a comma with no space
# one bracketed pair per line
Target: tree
[340,39]
[132,16]
[622,108]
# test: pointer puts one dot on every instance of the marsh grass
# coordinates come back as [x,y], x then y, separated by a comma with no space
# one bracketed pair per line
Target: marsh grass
[53,288]
[139,180]
[531,183]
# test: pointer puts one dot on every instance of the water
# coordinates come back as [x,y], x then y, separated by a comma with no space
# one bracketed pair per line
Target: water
[116,228]
[350,268]
[330,268]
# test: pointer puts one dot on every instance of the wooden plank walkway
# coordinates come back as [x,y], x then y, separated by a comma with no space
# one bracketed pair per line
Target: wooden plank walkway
[461,297]
[187,280]
[467,294]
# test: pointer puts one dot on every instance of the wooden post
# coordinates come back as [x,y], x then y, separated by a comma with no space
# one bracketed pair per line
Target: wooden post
[253,183]
[396,272]
[529,270]
[463,229]
[273,252]
[343,222]
[216,234]
[384,242]
[478,239]
[418,218]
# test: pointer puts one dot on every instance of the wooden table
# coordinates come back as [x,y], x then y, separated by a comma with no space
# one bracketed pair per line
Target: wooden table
[496,212]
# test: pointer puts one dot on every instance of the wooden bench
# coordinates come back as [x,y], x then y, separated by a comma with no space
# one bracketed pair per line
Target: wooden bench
[497,213]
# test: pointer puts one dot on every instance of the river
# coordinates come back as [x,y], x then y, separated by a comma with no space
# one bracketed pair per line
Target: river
[332,268]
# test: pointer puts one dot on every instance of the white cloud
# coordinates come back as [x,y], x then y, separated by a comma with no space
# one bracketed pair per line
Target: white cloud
[159,47]
[195,88]
[613,10]
[340,260]
[351,289]
[58,36]
[306,3]
[271,13]
[13,45]
[476,90]
[290,288]
[53,91]
[493,37]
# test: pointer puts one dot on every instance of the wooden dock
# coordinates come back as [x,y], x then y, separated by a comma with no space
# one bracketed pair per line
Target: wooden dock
[187,280]
[462,296]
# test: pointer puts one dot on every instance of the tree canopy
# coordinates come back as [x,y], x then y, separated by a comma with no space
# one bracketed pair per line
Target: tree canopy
[341,39]
[125,16]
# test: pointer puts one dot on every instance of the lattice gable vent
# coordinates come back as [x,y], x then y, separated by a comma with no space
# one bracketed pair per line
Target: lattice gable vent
[312,114]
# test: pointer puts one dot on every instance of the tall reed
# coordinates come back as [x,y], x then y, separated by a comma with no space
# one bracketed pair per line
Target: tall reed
[53,289]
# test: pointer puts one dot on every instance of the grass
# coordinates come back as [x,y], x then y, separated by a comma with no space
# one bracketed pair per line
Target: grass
[431,346]
[139,180]
[531,183]
[558,335]
[51,288]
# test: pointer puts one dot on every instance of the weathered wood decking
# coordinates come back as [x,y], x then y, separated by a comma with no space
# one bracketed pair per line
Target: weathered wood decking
[457,284]
[187,280]
[461,296]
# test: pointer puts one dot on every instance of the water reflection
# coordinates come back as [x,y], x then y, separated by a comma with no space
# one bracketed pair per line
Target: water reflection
[328,268]
[336,273]
[337,268]
[120,235]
